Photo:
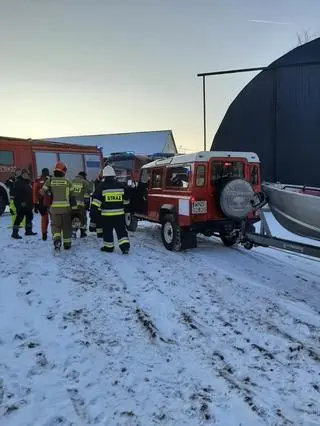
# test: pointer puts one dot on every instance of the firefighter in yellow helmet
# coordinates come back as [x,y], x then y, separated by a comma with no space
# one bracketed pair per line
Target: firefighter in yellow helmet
[111,197]
[63,203]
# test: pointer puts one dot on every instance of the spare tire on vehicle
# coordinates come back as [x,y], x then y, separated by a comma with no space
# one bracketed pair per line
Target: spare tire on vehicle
[235,198]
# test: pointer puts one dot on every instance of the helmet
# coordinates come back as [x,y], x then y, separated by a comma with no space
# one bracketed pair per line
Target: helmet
[83,174]
[60,167]
[108,171]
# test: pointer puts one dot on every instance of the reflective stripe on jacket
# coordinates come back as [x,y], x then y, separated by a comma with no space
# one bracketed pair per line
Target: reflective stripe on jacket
[110,197]
[81,190]
[62,194]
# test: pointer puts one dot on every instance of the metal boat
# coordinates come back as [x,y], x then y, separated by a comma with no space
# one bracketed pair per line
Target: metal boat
[296,208]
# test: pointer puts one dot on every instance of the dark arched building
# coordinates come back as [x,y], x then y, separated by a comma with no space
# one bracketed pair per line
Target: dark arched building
[277,115]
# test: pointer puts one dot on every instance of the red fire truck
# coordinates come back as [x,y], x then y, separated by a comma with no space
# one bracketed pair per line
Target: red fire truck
[34,155]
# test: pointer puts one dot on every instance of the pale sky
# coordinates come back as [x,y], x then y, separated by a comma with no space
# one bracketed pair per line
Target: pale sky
[74,67]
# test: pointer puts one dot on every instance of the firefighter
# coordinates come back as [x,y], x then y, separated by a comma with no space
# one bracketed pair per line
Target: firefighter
[81,190]
[111,197]
[22,198]
[63,204]
[42,202]
[10,184]
[95,225]
[95,218]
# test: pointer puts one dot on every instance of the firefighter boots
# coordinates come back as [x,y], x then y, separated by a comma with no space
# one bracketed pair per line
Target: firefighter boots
[57,244]
[15,233]
[30,232]
[44,236]
[106,249]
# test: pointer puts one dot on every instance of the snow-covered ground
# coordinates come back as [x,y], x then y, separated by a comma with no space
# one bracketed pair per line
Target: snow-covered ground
[213,336]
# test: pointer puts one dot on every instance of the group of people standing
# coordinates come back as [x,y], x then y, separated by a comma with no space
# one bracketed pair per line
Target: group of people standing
[66,204]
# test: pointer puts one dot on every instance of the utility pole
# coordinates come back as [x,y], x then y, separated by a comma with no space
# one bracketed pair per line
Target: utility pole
[204,113]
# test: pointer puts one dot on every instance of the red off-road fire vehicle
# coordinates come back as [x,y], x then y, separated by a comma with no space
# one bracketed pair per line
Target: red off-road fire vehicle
[209,193]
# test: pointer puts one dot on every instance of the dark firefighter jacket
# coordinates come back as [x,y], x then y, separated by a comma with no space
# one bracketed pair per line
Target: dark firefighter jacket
[22,194]
[110,198]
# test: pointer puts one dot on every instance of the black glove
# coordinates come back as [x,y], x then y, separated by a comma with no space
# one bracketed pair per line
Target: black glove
[12,212]
[36,208]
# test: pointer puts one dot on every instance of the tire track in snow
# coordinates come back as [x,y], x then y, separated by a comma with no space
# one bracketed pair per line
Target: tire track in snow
[203,410]
[258,348]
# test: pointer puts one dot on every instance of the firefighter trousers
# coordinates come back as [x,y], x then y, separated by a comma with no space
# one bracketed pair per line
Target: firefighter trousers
[99,228]
[83,216]
[44,222]
[23,213]
[118,223]
[61,227]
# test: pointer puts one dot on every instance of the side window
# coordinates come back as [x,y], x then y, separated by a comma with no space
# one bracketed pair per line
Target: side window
[254,175]
[156,179]
[200,175]
[45,159]
[145,176]
[6,158]
[178,176]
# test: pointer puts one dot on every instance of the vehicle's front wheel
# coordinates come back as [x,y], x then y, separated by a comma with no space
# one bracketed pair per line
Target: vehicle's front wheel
[171,233]
[3,204]
[228,240]
[131,222]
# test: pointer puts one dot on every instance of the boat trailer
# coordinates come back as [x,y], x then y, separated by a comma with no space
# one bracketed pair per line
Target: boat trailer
[264,238]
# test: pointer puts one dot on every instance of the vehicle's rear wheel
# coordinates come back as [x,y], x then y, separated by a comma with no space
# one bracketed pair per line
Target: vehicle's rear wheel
[131,222]
[171,233]
[228,240]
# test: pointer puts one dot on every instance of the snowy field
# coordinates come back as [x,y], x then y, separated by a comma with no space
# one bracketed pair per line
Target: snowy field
[212,336]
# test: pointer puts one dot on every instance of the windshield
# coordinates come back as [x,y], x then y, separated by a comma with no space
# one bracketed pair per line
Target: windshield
[226,169]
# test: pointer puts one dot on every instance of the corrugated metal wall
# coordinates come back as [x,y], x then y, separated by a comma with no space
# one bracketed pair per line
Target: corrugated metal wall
[277,115]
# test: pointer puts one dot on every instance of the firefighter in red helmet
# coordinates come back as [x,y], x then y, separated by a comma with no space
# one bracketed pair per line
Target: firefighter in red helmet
[63,203]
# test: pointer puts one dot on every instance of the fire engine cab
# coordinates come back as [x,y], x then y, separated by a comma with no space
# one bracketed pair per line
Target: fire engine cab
[209,193]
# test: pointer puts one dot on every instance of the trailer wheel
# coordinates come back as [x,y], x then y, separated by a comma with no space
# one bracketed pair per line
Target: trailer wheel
[248,245]
[228,240]
[171,233]
[131,222]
